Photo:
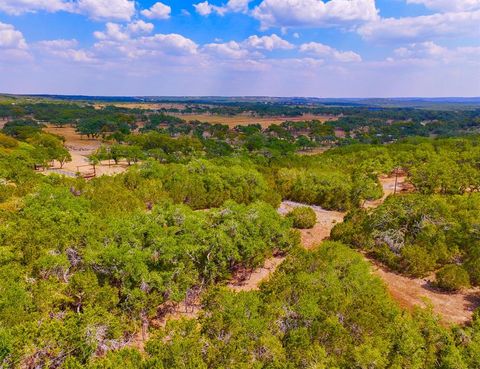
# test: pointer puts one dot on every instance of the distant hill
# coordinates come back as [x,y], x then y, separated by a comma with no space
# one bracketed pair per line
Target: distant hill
[438,103]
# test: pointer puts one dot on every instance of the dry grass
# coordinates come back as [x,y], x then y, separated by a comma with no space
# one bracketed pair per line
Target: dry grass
[145,106]
[244,120]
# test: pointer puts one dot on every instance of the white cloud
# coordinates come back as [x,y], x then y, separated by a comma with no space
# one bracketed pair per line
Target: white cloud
[10,38]
[314,13]
[139,27]
[232,6]
[422,27]
[229,50]
[268,42]
[172,43]
[117,42]
[203,8]
[448,5]
[16,7]
[430,52]
[113,31]
[329,53]
[119,33]
[158,11]
[248,50]
[66,49]
[95,9]
[106,9]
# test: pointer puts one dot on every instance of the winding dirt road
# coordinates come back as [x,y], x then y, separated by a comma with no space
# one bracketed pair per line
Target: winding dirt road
[453,308]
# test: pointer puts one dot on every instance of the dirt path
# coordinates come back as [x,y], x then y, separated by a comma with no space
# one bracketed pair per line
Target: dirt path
[258,276]
[456,308]
[408,292]
[326,220]
[390,186]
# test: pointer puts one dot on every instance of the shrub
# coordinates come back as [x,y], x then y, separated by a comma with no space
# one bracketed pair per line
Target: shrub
[303,217]
[452,278]
[7,142]
[417,261]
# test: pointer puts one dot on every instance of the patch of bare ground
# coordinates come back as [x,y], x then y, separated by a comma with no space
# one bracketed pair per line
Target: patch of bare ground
[391,185]
[453,308]
[143,105]
[189,308]
[80,148]
[326,220]
[251,280]
[313,151]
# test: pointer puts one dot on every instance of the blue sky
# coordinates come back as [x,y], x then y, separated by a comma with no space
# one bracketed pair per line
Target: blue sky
[335,48]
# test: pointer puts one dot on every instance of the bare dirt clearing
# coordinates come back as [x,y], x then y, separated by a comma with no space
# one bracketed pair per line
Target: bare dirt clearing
[390,185]
[326,220]
[80,148]
[454,308]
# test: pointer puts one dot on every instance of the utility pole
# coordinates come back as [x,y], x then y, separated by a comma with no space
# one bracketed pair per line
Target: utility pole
[396,181]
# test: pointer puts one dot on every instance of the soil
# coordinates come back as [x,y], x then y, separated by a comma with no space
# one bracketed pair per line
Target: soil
[326,220]
[453,308]
[390,186]
[80,148]
[254,279]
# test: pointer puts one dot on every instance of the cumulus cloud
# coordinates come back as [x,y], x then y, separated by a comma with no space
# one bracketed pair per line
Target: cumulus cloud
[106,9]
[268,42]
[172,43]
[118,41]
[314,13]
[158,11]
[422,27]
[448,5]
[95,9]
[139,27]
[66,49]
[232,6]
[229,50]
[330,53]
[118,32]
[429,51]
[16,7]
[113,31]
[10,38]
[247,49]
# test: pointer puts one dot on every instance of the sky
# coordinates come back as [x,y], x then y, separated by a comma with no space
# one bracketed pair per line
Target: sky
[329,48]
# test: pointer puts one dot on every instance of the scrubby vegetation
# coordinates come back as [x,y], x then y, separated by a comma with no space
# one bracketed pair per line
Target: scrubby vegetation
[452,278]
[303,217]
[86,265]
[417,234]
[322,310]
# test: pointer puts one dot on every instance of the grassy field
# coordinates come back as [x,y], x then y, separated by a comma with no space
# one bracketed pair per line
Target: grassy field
[243,120]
